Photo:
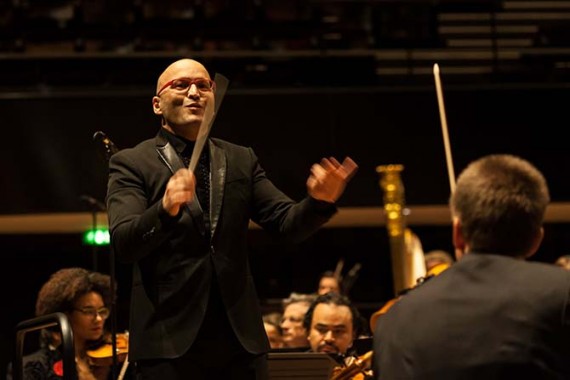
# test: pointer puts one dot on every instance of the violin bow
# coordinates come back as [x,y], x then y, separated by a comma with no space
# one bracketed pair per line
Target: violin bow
[124,368]
[448,158]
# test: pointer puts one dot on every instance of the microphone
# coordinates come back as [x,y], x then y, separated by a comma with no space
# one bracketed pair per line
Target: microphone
[92,202]
[108,145]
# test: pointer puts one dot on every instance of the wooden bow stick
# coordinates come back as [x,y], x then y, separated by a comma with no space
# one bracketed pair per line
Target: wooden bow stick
[448,158]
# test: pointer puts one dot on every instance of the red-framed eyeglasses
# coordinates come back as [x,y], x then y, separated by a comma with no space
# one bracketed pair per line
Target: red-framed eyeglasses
[182,85]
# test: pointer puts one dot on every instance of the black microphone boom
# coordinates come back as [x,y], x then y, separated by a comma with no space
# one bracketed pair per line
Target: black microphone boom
[93,203]
[108,145]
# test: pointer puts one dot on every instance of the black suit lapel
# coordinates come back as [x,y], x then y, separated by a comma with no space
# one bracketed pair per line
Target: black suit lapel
[173,161]
[218,168]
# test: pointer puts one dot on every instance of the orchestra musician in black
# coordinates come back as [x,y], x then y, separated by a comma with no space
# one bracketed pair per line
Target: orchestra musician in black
[493,314]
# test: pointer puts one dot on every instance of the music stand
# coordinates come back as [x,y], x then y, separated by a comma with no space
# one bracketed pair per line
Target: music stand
[300,366]
[38,323]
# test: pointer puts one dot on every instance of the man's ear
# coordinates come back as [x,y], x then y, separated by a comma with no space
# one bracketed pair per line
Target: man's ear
[458,239]
[156,105]
[536,243]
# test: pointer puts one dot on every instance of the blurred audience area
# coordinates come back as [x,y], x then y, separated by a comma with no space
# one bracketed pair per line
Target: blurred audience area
[276,42]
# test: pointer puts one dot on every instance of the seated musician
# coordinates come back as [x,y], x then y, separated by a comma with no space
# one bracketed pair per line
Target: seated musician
[329,281]
[84,296]
[272,325]
[333,324]
[494,314]
[437,261]
[293,332]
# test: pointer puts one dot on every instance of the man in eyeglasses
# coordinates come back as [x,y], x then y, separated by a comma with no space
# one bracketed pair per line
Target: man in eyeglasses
[195,312]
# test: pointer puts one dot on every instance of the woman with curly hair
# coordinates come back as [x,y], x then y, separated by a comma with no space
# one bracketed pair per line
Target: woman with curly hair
[84,296]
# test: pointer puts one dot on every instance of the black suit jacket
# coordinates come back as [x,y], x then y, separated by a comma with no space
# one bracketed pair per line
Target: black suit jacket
[486,317]
[174,262]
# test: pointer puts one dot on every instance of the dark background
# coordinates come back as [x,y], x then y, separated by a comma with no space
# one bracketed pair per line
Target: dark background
[307,79]
[49,160]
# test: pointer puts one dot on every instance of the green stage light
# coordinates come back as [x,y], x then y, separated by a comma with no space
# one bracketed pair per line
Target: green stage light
[99,236]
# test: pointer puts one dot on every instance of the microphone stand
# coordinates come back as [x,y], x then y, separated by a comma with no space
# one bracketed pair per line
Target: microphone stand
[110,149]
[94,247]
[114,313]
[96,206]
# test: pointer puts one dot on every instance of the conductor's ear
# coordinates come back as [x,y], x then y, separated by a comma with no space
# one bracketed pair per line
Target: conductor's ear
[156,105]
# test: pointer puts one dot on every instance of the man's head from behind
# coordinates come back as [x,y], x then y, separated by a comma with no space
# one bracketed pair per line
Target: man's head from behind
[498,207]
[332,322]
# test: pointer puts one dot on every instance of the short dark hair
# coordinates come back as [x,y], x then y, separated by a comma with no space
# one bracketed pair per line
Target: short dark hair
[333,298]
[332,274]
[500,200]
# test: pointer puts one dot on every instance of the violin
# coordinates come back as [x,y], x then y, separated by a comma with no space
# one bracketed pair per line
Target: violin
[357,369]
[436,270]
[103,356]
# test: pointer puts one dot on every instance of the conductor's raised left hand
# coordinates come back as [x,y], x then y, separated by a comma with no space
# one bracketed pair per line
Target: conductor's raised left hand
[329,178]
